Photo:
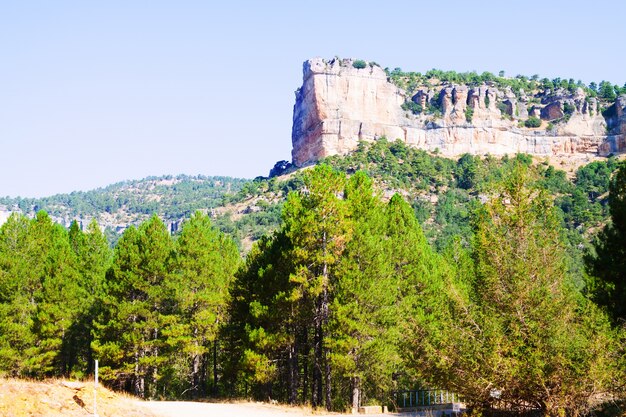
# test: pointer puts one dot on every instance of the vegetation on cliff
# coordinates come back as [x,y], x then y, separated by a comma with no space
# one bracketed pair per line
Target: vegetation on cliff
[410,81]
[525,99]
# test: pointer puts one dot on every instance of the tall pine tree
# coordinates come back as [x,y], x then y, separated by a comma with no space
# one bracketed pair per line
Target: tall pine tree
[205,264]
[128,332]
[608,266]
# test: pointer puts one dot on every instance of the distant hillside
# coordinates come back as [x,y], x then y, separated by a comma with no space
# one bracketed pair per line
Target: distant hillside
[117,206]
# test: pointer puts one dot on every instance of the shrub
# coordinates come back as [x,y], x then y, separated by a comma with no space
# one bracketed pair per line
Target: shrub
[359,64]
[412,107]
[533,121]
[469,114]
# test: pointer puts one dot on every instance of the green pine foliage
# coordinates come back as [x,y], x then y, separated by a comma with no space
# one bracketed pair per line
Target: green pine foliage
[511,319]
[42,297]
[204,266]
[129,341]
[606,264]
[162,305]
[362,335]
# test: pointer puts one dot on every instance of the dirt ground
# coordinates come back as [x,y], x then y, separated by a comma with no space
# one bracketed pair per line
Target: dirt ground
[61,398]
[247,409]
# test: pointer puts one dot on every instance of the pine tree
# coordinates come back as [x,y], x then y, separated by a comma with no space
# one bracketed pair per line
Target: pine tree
[128,332]
[608,266]
[93,258]
[263,325]
[205,264]
[363,336]
[317,226]
[18,287]
[58,297]
[516,325]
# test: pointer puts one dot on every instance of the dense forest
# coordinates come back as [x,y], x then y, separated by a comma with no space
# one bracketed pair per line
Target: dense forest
[386,270]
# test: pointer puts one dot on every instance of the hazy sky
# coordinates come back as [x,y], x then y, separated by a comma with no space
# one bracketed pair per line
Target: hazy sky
[93,93]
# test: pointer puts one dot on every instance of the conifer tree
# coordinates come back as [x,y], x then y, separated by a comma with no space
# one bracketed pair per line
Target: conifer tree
[516,335]
[58,298]
[128,333]
[362,338]
[608,266]
[93,259]
[204,267]
[317,226]
[18,287]
[264,326]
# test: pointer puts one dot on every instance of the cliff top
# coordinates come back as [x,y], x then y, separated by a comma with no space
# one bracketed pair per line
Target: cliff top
[344,101]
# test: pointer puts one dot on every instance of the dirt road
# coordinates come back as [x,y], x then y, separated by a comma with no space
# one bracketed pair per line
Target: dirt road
[251,409]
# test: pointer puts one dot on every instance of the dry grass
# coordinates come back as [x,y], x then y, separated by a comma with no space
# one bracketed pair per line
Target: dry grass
[58,397]
[54,398]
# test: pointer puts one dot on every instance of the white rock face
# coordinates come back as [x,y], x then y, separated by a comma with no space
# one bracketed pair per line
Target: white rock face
[339,105]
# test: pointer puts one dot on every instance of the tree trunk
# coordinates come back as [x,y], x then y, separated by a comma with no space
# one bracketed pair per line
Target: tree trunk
[305,366]
[195,376]
[316,383]
[356,393]
[138,383]
[153,370]
[215,367]
[293,374]
[324,313]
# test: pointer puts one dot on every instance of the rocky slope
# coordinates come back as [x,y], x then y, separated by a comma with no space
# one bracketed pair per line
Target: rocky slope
[342,102]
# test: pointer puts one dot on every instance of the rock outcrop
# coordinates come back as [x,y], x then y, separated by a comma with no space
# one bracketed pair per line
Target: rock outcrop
[339,105]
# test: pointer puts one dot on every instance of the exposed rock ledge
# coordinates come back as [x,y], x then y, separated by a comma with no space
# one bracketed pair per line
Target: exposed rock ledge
[339,105]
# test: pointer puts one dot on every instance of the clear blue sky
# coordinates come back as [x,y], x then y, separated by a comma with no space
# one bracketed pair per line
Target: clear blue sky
[93,93]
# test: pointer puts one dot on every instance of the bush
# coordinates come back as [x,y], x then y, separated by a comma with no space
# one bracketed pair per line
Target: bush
[469,114]
[412,107]
[533,121]
[359,64]
[568,109]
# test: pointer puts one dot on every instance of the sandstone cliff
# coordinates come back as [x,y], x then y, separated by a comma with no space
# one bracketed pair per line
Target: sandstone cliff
[340,104]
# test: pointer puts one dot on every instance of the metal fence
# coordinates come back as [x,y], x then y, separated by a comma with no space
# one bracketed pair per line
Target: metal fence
[425,397]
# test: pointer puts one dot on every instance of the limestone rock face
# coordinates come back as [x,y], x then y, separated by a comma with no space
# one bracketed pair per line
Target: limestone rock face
[552,111]
[339,105]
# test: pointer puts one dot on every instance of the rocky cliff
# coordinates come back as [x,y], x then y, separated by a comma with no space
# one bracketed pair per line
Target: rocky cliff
[342,102]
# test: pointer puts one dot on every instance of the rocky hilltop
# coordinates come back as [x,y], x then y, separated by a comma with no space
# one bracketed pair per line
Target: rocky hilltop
[344,101]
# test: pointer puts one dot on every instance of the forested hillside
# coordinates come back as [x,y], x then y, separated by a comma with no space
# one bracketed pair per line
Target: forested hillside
[443,192]
[117,206]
